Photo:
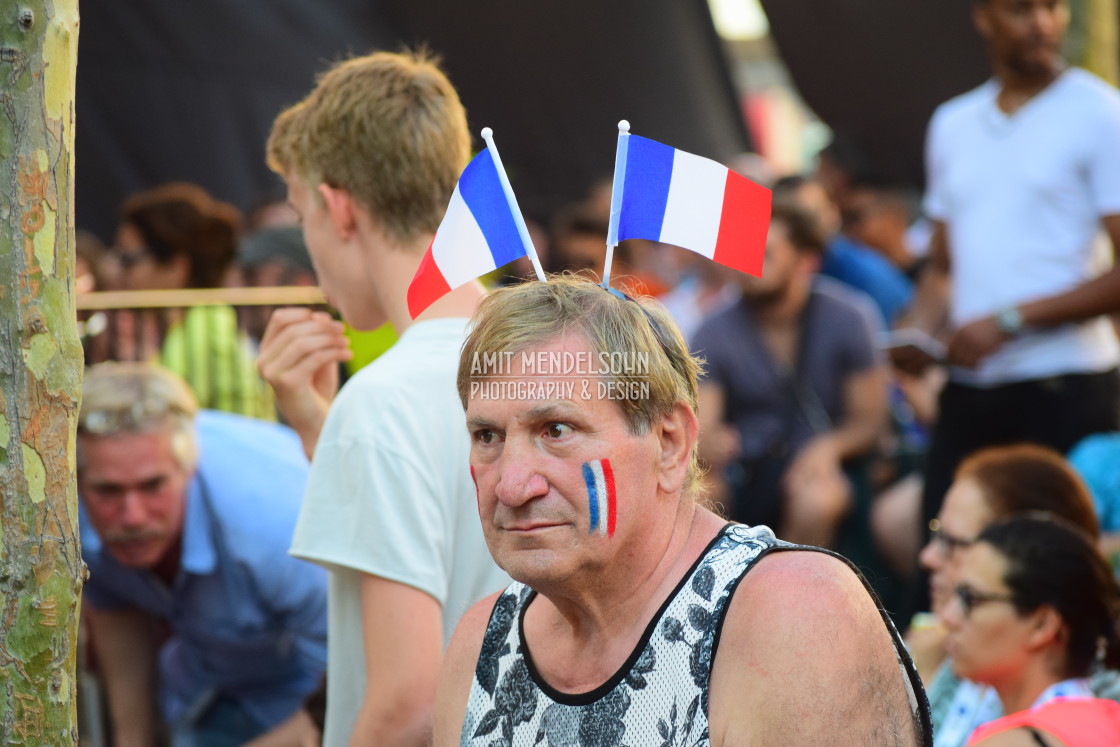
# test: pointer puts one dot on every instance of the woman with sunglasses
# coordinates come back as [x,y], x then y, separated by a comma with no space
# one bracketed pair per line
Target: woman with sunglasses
[992,484]
[178,236]
[1034,608]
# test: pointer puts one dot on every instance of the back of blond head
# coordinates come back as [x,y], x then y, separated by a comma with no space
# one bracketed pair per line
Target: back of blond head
[522,317]
[389,128]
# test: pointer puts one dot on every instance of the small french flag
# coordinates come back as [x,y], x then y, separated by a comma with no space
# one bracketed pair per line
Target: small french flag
[695,203]
[478,234]
[602,501]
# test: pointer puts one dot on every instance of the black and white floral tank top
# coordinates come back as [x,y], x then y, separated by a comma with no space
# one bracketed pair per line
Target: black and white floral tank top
[658,698]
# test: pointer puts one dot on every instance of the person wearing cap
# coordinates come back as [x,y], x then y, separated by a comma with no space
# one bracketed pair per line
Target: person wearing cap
[185,519]
[271,257]
[371,157]
[637,616]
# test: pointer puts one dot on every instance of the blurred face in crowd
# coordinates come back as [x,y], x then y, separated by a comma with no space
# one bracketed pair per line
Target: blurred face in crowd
[1023,35]
[581,251]
[134,267]
[964,514]
[134,491]
[528,452]
[815,198]
[869,219]
[339,265]
[989,641]
[782,263]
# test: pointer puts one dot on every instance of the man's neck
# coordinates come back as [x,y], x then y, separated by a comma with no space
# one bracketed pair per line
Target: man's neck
[167,567]
[601,619]
[783,312]
[1016,88]
[392,271]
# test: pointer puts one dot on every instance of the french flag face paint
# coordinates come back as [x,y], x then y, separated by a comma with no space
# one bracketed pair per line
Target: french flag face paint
[601,498]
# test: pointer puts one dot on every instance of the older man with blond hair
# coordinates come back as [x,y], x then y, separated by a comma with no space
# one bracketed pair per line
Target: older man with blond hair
[185,520]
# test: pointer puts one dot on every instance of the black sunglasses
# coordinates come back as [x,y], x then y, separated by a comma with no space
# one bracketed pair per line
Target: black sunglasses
[946,541]
[127,260]
[970,598]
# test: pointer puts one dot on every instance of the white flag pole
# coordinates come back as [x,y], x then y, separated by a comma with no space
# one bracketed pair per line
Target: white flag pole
[522,229]
[616,197]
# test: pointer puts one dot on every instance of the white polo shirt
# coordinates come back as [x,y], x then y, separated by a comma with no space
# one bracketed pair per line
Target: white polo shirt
[1022,197]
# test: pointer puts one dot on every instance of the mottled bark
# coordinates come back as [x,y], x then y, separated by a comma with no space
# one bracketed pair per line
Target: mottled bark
[41,570]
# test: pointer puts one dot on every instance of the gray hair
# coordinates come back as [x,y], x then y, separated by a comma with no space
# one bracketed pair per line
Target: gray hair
[138,398]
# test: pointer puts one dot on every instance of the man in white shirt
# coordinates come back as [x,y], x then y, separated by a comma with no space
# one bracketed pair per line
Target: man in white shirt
[1023,187]
[371,157]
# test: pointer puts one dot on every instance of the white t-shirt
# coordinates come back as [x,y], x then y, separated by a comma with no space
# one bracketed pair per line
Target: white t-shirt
[1022,197]
[390,494]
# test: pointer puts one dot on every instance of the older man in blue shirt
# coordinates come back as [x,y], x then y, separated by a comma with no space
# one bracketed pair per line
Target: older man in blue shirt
[185,521]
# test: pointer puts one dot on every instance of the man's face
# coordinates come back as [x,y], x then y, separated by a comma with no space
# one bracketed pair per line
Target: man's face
[869,219]
[339,266]
[1024,35]
[134,491]
[813,197]
[781,263]
[582,251]
[533,455]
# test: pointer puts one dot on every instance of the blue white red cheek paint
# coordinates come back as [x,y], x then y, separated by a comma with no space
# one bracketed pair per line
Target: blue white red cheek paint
[602,502]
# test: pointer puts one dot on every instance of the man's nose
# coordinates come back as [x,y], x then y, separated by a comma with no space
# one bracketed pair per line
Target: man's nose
[1046,20]
[518,478]
[133,510]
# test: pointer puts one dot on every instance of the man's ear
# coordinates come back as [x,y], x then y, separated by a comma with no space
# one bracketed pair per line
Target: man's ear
[980,19]
[340,207]
[811,261]
[677,434]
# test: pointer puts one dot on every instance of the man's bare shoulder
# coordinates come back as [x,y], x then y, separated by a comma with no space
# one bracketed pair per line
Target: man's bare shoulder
[793,576]
[457,672]
[806,656]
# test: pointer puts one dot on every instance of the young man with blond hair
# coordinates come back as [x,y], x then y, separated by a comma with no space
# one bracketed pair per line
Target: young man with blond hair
[371,157]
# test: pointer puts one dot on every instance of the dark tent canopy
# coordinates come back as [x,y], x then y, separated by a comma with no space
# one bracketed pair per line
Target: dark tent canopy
[874,70]
[188,91]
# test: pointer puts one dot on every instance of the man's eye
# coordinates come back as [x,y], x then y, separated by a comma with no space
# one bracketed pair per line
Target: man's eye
[154,485]
[557,430]
[484,436]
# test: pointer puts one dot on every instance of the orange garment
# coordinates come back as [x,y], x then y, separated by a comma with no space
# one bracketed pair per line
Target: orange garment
[1077,722]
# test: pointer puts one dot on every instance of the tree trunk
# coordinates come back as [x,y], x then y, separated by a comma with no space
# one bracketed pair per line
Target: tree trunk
[1103,54]
[41,569]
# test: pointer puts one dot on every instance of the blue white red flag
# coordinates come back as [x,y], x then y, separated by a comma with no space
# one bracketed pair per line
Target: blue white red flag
[695,203]
[478,234]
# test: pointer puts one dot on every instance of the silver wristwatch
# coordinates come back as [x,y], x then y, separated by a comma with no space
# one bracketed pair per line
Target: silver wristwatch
[1009,321]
